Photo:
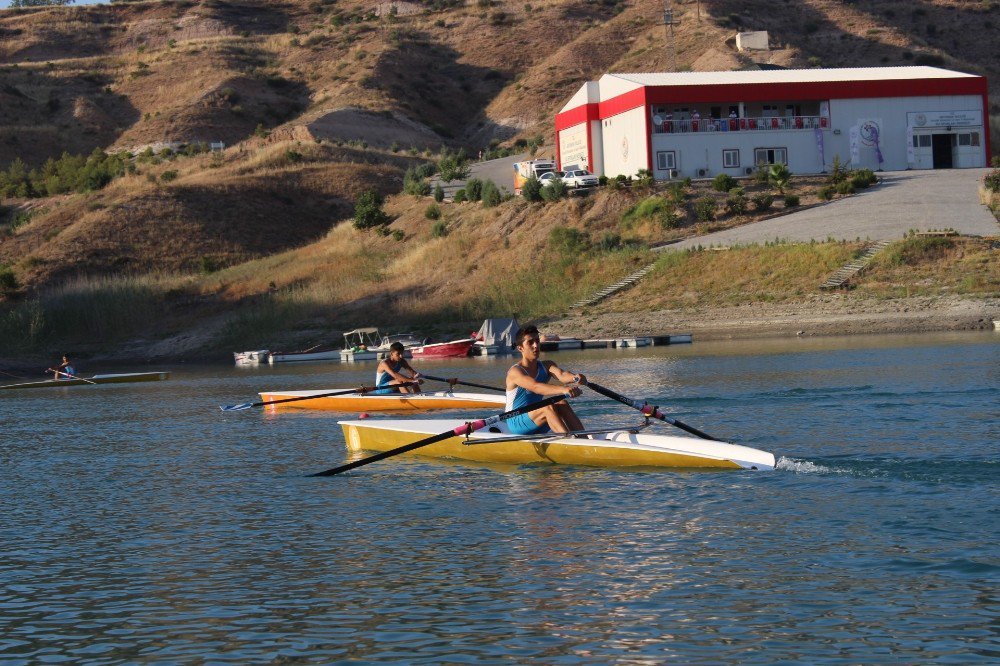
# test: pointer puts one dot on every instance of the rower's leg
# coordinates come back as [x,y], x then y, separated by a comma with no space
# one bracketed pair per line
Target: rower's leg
[568,416]
[550,417]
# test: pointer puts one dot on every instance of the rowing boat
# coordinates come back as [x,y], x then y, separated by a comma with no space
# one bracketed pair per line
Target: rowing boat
[383,403]
[621,448]
[96,379]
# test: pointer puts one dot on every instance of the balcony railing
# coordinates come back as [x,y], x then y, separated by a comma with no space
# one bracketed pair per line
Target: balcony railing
[762,124]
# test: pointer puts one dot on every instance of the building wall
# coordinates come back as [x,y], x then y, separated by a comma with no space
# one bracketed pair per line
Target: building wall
[701,155]
[893,114]
[624,142]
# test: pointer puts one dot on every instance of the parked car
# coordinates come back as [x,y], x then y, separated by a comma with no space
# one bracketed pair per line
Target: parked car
[579,178]
[547,178]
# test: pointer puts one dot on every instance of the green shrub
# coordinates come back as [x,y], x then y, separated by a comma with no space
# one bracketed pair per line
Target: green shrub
[737,204]
[432,212]
[826,192]
[168,176]
[762,202]
[554,191]
[414,183]
[210,264]
[723,182]
[440,229]
[864,178]
[398,234]
[779,176]
[532,189]
[991,181]
[568,241]
[8,282]
[644,178]
[837,174]
[460,196]
[845,187]
[438,193]
[602,180]
[791,200]
[653,207]
[704,208]
[762,174]
[491,194]
[474,189]
[610,242]
[368,211]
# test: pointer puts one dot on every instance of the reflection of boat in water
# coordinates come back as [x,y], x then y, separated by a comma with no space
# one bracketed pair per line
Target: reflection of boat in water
[96,379]
[612,448]
[383,403]
[454,349]
[255,357]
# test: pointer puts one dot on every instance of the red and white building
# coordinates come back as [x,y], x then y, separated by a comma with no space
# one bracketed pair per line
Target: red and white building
[701,124]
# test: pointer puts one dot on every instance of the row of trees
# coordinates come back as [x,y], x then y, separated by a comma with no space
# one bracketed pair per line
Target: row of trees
[69,173]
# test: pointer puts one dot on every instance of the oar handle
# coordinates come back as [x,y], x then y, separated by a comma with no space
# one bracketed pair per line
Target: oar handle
[649,410]
[464,429]
[448,381]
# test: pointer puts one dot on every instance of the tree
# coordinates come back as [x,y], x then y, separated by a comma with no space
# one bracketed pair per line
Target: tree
[453,166]
[779,174]
[368,211]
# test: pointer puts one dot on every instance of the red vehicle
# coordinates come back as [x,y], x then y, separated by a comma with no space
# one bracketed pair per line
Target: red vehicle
[452,349]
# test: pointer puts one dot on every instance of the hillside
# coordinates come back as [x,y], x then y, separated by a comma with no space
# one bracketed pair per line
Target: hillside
[318,100]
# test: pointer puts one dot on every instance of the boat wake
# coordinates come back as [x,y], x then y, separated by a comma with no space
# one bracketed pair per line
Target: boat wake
[802,466]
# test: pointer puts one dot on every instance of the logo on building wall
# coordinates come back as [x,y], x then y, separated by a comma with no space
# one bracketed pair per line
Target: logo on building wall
[920,120]
[625,149]
[869,132]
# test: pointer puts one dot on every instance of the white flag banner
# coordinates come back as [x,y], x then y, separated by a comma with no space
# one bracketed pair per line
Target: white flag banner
[855,146]
[911,159]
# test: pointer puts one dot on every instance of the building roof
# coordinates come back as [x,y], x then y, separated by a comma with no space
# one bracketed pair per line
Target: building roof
[789,76]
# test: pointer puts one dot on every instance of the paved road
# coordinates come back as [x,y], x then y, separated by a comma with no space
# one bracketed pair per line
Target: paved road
[500,171]
[904,200]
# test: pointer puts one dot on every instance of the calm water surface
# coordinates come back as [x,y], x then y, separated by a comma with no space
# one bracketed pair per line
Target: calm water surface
[141,523]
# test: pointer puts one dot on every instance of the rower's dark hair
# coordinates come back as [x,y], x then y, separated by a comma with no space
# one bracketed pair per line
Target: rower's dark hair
[524,332]
[396,347]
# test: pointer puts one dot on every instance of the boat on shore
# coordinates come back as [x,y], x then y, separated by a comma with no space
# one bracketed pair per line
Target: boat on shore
[317,353]
[453,349]
[612,448]
[368,344]
[96,379]
[252,357]
[394,402]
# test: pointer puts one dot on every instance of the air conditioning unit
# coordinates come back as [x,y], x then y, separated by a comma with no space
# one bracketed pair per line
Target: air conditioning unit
[748,171]
[702,173]
[671,173]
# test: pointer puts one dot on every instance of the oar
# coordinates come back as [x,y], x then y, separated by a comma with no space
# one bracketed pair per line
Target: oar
[464,429]
[455,381]
[60,372]
[361,389]
[649,410]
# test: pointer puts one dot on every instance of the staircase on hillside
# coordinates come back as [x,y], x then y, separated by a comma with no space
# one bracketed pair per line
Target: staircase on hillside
[616,287]
[847,271]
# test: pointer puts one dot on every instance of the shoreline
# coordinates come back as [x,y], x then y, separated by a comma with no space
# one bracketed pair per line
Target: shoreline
[820,317]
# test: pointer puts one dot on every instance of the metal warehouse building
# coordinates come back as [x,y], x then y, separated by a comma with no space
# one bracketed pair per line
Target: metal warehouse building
[701,124]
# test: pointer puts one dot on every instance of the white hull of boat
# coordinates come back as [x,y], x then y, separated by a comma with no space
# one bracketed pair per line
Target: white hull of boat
[291,357]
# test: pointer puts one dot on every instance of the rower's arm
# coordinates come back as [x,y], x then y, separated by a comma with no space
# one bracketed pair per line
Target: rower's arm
[521,379]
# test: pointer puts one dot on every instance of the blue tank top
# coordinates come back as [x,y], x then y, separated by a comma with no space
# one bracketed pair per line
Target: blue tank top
[383,378]
[520,396]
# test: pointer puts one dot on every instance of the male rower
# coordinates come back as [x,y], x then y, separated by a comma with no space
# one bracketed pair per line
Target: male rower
[390,377]
[528,382]
[64,370]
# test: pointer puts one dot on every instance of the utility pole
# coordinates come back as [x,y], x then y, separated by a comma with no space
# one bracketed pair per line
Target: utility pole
[668,26]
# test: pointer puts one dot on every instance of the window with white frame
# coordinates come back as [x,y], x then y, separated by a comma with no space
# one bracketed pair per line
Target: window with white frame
[965,139]
[770,155]
[730,158]
[666,159]
[921,140]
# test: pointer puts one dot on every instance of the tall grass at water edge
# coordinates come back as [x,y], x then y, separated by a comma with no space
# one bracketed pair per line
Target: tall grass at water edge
[86,310]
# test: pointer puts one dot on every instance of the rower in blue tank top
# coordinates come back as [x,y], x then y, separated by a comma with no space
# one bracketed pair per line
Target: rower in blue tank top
[390,377]
[528,382]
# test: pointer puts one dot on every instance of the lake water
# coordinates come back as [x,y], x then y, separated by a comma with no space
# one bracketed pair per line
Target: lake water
[142,524]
